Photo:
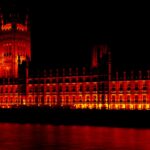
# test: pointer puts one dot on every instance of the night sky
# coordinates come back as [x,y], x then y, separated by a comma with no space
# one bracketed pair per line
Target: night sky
[63,33]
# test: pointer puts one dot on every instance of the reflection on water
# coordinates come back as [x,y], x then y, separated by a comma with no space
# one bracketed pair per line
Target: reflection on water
[48,137]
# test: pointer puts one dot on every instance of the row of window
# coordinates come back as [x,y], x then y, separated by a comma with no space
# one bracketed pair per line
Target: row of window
[128,101]
[129,88]
[61,80]
[7,54]
[128,97]
[9,48]
[65,89]
[11,90]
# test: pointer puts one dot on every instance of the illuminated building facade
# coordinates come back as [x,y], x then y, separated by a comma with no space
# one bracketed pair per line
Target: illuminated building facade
[92,87]
[14,45]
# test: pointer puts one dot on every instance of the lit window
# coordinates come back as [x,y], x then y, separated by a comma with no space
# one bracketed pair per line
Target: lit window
[67,99]
[81,88]
[128,99]
[113,87]
[6,90]
[67,88]
[6,100]
[74,98]
[144,98]
[80,99]
[94,98]
[54,99]
[48,99]
[11,100]
[60,88]
[94,88]
[87,98]
[121,87]
[136,98]
[54,89]
[145,86]
[113,98]
[73,88]
[30,99]
[129,87]
[136,87]
[31,89]
[87,88]
[121,99]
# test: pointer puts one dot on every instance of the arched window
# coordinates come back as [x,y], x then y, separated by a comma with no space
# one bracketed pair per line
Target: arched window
[54,89]
[73,79]
[1,100]
[17,89]
[144,98]
[113,87]
[47,89]
[60,88]
[74,99]
[121,87]
[128,99]
[36,89]
[60,99]
[6,90]
[1,89]
[80,99]
[113,98]
[36,99]
[6,100]
[47,81]
[42,99]
[87,79]
[41,89]
[67,80]
[136,98]
[87,98]
[81,88]
[73,88]
[30,100]
[11,100]
[17,100]
[48,99]
[94,98]
[129,87]
[54,99]
[67,99]
[136,87]
[121,100]
[145,86]
[80,79]
[67,89]
[94,88]
[87,88]
[31,89]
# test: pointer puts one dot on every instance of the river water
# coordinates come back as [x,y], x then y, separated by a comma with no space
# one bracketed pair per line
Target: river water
[59,137]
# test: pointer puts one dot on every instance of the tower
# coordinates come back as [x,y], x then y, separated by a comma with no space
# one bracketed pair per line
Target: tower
[14,43]
[101,62]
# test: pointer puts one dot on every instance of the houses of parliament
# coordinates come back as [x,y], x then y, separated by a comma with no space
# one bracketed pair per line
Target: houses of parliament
[76,88]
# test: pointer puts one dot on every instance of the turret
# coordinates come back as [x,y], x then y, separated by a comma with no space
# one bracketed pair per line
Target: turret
[15,44]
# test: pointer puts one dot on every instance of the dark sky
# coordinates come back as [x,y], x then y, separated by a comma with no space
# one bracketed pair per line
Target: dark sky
[64,32]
